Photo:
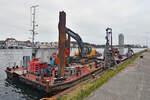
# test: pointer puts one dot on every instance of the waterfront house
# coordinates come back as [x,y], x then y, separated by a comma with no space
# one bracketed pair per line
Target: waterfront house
[11,42]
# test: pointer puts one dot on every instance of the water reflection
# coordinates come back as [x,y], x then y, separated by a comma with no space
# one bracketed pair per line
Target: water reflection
[22,91]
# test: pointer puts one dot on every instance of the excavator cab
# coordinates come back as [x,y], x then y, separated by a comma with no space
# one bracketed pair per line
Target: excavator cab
[88,51]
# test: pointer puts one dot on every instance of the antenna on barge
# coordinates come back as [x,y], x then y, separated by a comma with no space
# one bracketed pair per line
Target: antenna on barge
[33,30]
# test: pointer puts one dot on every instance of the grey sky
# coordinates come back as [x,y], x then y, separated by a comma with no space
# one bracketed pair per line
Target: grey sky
[89,18]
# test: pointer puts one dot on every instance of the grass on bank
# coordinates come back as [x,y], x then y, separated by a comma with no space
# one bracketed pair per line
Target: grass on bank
[84,90]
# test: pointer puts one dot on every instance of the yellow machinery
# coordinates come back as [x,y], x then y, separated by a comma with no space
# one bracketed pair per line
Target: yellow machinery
[89,52]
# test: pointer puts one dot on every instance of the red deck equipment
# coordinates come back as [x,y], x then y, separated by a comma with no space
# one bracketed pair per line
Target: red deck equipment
[36,65]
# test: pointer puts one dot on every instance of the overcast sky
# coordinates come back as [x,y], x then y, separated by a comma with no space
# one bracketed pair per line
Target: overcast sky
[89,18]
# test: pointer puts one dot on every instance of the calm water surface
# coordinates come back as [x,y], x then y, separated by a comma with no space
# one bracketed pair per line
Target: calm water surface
[18,91]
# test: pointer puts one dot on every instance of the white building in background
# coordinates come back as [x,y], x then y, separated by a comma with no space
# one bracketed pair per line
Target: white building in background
[11,42]
[121,44]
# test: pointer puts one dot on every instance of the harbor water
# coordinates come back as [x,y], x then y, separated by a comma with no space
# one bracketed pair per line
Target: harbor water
[18,91]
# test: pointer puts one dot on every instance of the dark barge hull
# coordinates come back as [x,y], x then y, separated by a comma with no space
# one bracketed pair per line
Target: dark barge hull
[66,85]
[51,88]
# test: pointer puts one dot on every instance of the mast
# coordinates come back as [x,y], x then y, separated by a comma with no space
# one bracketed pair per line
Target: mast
[33,30]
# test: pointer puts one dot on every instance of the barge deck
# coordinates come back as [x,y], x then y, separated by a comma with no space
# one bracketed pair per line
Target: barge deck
[52,84]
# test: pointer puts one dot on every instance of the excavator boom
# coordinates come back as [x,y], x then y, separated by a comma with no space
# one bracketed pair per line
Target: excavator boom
[75,36]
